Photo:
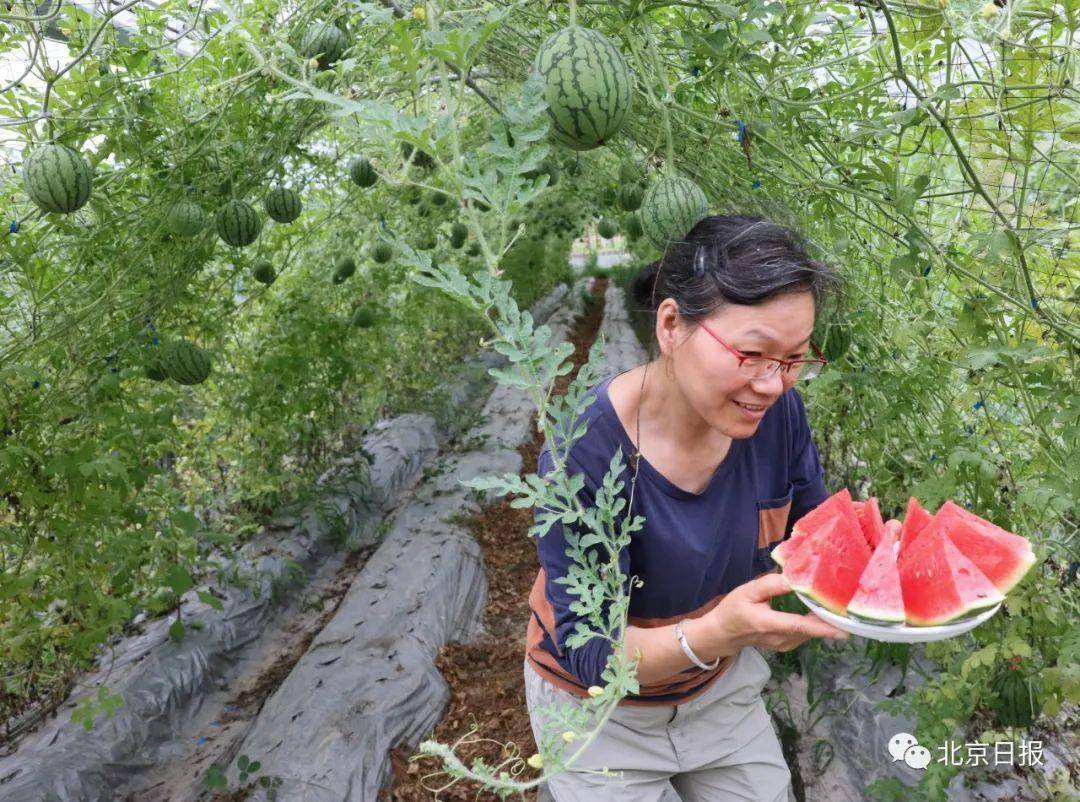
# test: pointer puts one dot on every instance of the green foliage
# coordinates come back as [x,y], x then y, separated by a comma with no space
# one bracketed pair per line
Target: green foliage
[952,219]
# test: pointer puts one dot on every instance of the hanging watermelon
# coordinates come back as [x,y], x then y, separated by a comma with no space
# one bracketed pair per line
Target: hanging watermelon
[282,204]
[324,41]
[344,268]
[671,207]
[57,178]
[382,252]
[185,362]
[263,272]
[238,224]
[185,219]
[361,172]
[588,86]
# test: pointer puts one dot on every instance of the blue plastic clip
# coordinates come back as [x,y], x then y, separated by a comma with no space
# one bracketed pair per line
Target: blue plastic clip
[36,384]
[14,227]
[695,70]
[742,130]
[757,183]
[977,405]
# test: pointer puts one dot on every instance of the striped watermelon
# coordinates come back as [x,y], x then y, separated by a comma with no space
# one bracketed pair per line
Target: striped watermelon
[606,228]
[382,252]
[459,232]
[185,219]
[630,197]
[263,272]
[238,224]
[344,268]
[588,86]
[282,204]
[632,225]
[185,362]
[325,41]
[57,178]
[671,207]
[361,172]
[363,317]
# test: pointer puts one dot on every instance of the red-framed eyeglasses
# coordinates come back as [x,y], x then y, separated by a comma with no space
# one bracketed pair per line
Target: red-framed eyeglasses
[762,367]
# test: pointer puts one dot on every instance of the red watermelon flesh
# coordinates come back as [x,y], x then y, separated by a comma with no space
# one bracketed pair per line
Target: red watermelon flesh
[938,583]
[828,562]
[838,504]
[915,520]
[878,596]
[869,515]
[1002,556]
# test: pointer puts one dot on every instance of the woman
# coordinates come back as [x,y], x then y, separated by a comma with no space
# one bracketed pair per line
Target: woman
[721,464]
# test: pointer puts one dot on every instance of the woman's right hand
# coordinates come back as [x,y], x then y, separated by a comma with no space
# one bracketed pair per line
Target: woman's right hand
[744,617]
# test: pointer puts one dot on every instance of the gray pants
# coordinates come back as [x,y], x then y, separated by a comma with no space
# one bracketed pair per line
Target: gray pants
[717,747]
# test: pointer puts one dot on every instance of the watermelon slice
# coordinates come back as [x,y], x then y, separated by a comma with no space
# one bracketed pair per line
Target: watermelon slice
[1002,556]
[938,583]
[869,515]
[828,562]
[878,596]
[915,520]
[838,504]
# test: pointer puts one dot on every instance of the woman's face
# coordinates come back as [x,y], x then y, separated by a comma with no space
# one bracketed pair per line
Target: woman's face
[708,373]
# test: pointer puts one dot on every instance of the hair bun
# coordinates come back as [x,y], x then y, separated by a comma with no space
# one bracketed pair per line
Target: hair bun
[642,287]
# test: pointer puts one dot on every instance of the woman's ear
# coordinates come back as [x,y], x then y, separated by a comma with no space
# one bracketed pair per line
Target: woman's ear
[670,327]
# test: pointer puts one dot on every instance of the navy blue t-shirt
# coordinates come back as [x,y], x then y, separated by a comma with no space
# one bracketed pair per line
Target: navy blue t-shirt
[694,547]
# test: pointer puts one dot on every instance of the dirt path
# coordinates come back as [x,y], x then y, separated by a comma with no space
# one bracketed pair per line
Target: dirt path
[487,692]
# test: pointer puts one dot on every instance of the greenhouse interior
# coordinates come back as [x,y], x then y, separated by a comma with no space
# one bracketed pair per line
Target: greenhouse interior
[431,400]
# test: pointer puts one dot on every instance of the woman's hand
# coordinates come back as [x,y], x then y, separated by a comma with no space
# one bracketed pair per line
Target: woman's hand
[745,618]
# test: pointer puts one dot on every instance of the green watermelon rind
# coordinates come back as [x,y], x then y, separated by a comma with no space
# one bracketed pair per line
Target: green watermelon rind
[238,224]
[57,178]
[263,272]
[185,362]
[670,209]
[325,41]
[283,205]
[185,219]
[361,172]
[588,86]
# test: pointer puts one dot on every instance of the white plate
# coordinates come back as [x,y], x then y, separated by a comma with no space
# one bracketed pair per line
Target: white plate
[898,633]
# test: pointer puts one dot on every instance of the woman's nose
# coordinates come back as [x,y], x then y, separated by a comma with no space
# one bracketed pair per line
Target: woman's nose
[772,385]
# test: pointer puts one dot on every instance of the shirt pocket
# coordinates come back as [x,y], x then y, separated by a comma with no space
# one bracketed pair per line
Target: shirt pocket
[772,524]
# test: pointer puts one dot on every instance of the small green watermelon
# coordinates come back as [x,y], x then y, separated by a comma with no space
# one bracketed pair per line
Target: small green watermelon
[344,268]
[185,219]
[361,172]
[459,232]
[238,224]
[606,228]
[185,362]
[363,317]
[263,272]
[324,41]
[671,208]
[630,197]
[57,178]
[283,204]
[382,252]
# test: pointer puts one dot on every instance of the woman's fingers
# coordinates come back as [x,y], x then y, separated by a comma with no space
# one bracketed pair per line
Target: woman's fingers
[765,587]
[808,625]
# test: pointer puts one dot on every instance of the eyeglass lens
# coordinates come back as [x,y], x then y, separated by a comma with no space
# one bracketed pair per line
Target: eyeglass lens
[762,368]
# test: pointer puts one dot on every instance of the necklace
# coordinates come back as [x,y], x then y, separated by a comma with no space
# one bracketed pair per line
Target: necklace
[636,456]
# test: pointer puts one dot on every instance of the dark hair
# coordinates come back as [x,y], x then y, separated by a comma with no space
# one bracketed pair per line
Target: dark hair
[732,259]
